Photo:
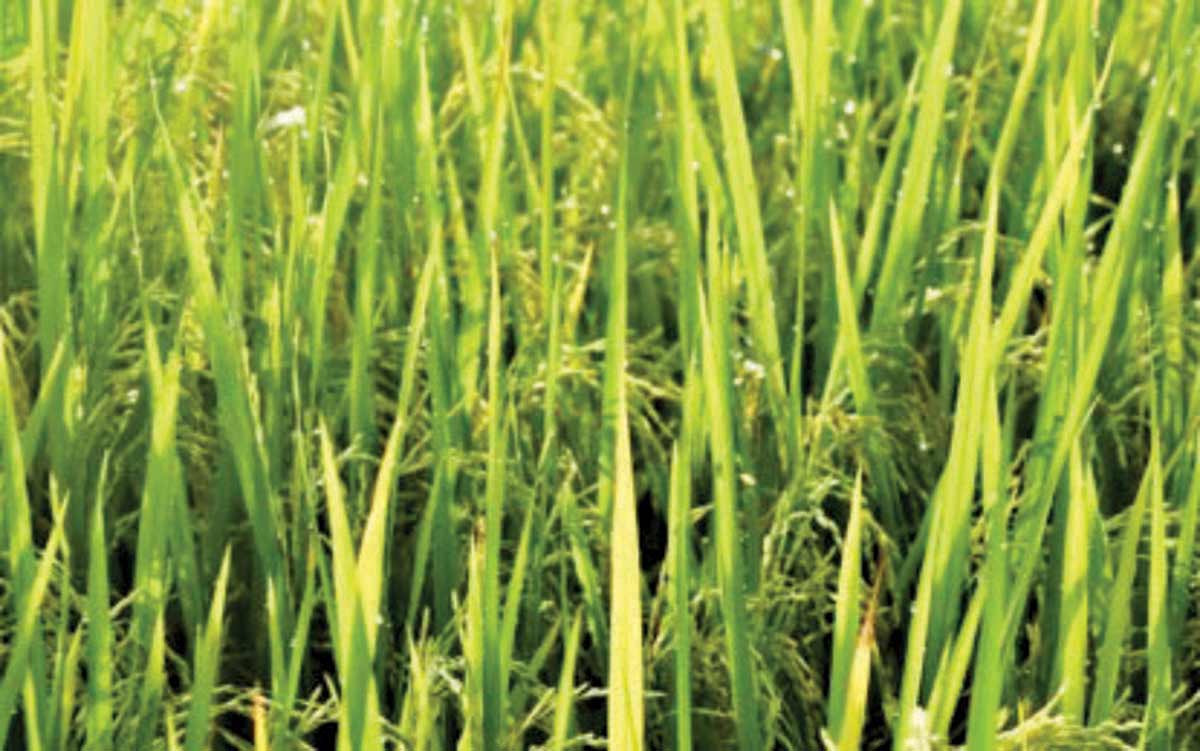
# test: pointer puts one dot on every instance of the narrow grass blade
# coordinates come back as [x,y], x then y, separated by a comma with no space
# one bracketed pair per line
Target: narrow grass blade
[1158,729]
[204,672]
[626,712]
[679,530]
[565,700]
[846,617]
[100,642]
[495,682]
[359,706]
[858,682]
[989,677]
[730,578]
[1116,624]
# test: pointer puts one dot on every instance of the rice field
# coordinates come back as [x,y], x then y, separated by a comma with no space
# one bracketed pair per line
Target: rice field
[490,375]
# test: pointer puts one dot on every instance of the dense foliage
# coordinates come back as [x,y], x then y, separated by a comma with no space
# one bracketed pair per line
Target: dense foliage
[658,374]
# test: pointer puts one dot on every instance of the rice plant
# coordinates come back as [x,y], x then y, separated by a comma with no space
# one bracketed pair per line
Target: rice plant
[635,374]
